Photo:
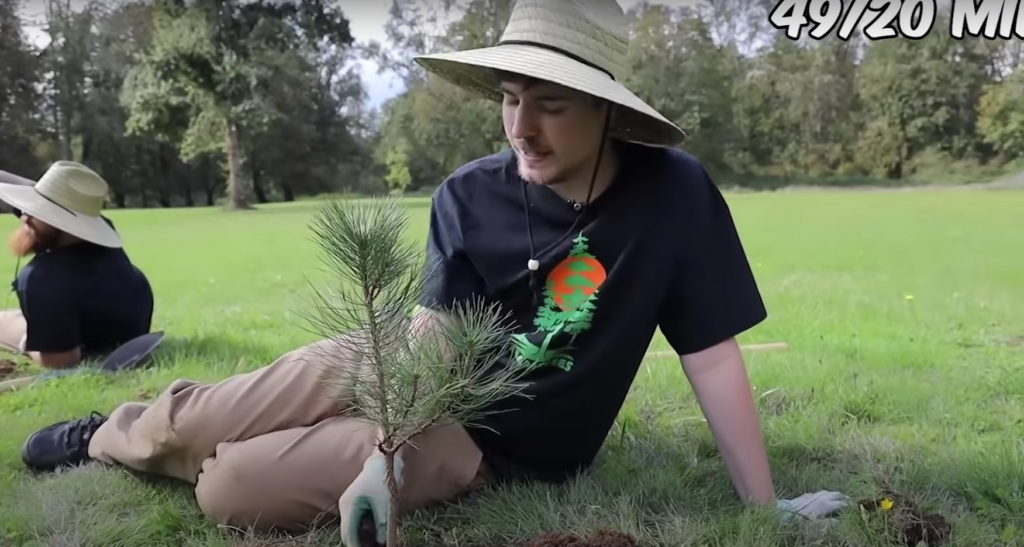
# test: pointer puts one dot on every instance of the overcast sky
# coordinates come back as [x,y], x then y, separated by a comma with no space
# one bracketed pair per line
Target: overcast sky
[367,18]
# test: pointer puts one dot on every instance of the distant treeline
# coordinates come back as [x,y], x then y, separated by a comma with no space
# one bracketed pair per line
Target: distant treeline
[186,103]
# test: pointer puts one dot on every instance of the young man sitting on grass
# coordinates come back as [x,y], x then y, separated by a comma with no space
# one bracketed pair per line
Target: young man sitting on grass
[591,231]
[80,297]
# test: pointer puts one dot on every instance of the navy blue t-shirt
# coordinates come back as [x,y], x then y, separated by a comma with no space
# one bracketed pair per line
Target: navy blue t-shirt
[657,249]
[85,296]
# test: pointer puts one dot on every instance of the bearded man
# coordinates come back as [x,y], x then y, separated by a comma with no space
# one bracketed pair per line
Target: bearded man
[79,296]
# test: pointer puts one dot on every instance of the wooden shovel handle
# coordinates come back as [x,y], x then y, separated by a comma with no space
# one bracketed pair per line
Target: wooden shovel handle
[770,346]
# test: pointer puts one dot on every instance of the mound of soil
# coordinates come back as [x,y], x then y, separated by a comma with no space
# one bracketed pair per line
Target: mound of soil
[602,538]
[908,523]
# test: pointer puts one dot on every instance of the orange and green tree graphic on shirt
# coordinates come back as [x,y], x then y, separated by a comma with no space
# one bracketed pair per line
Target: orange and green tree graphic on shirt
[570,297]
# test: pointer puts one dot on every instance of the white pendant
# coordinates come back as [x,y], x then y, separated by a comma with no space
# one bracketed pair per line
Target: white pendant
[533,265]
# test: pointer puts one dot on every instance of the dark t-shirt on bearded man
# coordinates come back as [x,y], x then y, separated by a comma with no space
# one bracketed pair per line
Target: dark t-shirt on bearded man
[657,249]
[83,296]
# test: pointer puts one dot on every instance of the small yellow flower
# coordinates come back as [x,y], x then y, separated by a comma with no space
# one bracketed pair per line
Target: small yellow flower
[886,504]
[909,297]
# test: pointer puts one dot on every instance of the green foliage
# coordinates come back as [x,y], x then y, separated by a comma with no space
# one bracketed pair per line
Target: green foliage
[185,70]
[406,381]
[19,81]
[1001,116]
[212,63]
[398,176]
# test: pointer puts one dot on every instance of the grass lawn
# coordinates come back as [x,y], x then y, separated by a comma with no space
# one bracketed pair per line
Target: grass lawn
[904,313]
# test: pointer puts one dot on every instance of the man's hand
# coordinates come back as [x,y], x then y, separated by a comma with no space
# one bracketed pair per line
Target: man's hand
[368,496]
[812,505]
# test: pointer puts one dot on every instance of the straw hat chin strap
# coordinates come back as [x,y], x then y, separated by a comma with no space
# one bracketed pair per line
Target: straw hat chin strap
[533,264]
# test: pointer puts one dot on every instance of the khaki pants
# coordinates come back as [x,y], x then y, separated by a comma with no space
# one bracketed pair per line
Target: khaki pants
[267,450]
[12,330]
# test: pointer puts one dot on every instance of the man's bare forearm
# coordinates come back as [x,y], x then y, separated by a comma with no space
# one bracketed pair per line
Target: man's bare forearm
[720,382]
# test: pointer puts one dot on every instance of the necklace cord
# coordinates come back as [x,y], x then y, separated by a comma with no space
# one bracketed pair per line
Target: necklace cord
[533,265]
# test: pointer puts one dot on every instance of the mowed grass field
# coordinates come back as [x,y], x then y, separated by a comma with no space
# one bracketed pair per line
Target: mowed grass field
[903,311]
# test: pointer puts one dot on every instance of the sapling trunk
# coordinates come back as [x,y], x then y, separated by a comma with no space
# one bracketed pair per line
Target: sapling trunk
[389,466]
[404,384]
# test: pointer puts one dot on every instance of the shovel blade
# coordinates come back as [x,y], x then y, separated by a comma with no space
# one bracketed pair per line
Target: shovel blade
[132,352]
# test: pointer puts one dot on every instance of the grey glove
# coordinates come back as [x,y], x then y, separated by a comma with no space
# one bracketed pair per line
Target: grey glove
[813,505]
[368,495]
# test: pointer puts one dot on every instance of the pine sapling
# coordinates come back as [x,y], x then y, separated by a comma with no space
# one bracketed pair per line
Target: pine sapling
[404,381]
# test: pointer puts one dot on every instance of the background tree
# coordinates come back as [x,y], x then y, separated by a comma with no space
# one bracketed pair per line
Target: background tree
[1001,116]
[215,63]
[19,97]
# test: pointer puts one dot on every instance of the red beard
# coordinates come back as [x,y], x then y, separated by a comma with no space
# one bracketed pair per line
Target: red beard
[23,241]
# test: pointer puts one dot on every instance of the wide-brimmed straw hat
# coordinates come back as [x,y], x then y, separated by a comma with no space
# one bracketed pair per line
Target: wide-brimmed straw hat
[69,197]
[579,44]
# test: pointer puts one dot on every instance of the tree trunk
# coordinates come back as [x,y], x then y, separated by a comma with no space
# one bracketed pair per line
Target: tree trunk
[257,187]
[160,176]
[65,130]
[87,148]
[236,194]
[393,517]
[210,183]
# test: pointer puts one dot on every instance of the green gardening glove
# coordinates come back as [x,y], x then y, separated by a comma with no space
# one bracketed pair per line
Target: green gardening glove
[368,496]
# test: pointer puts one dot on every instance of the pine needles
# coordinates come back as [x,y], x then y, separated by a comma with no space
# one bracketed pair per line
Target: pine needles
[404,374]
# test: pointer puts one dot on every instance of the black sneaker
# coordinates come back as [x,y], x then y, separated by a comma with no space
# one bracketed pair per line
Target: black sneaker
[61,444]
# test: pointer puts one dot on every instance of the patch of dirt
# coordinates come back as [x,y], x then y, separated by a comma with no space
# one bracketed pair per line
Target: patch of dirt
[7,368]
[774,403]
[907,523]
[1013,341]
[10,370]
[602,538]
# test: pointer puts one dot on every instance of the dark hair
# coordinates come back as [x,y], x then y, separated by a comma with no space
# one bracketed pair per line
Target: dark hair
[506,76]
[527,81]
